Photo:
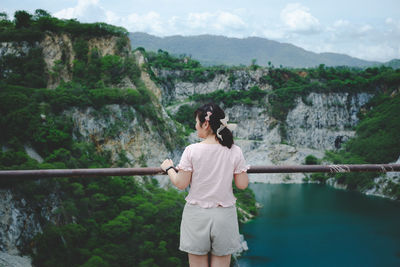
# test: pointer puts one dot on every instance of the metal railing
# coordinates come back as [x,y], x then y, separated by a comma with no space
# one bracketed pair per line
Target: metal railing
[36,174]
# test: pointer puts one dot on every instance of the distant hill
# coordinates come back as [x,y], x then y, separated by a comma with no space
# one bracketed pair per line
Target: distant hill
[221,50]
[394,63]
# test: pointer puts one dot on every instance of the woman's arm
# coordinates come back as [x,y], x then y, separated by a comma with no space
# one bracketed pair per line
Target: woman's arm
[241,180]
[180,179]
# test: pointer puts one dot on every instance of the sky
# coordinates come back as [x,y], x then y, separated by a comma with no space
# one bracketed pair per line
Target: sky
[366,29]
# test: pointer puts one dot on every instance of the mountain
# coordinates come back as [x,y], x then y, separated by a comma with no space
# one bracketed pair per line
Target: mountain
[221,50]
[394,63]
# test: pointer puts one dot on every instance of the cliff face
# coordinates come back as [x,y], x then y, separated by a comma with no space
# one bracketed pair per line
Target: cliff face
[59,55]
[120,129]
[318,122]
[383,184]
[179,89]
[323,124]
[13,48]
[326,121]
[20,222]
[58,49]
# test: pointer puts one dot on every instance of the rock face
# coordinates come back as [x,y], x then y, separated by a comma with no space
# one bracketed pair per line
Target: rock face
[120,128]
[318,122]
[382,183]
[16,49]
[20,222]
[145,77]
[326,121]
[58,53]
[177,89]
[7,260]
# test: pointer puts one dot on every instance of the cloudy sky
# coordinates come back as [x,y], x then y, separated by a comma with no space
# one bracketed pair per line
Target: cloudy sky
[367,29]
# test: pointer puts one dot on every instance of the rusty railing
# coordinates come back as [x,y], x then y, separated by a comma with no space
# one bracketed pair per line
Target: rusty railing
[36,174]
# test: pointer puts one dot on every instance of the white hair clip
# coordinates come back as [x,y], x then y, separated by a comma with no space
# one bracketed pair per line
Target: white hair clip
[224,123]
[207,118]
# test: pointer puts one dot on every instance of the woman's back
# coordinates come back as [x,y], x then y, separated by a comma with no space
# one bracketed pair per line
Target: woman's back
[212,167]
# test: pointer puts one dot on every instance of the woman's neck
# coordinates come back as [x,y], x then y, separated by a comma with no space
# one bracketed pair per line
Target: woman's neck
[210,139]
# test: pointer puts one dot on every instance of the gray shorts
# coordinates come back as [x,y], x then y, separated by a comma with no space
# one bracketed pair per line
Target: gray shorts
[205,230]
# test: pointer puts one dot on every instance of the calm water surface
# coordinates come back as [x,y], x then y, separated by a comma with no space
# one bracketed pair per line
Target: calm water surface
[316,225]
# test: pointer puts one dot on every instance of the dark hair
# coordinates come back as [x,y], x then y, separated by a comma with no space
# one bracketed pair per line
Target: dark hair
[215,123]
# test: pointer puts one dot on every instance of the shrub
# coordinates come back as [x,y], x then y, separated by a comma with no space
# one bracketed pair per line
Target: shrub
[311,160]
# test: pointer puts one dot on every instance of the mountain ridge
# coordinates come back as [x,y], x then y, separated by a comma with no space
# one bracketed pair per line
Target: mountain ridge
[222,50]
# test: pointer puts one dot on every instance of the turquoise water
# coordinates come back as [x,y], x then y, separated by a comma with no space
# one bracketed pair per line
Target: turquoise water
[316,225]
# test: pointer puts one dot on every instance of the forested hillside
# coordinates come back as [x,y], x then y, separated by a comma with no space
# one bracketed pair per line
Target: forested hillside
[99,221]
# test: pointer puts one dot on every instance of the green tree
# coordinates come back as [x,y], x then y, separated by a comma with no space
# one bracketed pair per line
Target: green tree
[41,13]
[311,160]
[3,16]
[22,19]
[96,261]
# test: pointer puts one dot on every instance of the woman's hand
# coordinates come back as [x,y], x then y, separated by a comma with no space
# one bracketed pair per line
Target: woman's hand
[167,163]
[180,179]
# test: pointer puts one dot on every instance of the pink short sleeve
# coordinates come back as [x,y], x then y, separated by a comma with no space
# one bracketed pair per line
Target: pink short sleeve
[186,163]
[240,162]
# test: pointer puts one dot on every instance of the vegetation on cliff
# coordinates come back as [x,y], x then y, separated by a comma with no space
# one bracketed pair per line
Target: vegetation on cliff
[376,141]
[102,221]
[190,69]
[287,84]
[28,27]
[377,135]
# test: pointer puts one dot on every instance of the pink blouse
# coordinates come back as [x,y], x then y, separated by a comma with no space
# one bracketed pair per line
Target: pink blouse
[212,167]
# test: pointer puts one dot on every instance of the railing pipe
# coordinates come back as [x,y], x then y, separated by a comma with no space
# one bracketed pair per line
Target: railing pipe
[36,174]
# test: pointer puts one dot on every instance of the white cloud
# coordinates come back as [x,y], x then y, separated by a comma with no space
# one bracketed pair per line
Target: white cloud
[228,20]
[150,22]
[298,19]
[271,33]
[380,51]
[85,10]
[341,23]
[365,33]
[92,11]
[111,17]
[221,22]
[393,24]
[375,43]
[218,23]
[365,28]
[199,20]
[343,31]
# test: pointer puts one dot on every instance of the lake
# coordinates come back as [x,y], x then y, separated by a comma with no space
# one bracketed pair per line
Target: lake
[317,225]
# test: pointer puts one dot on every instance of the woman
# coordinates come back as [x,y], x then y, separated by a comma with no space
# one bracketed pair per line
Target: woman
[209,219]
